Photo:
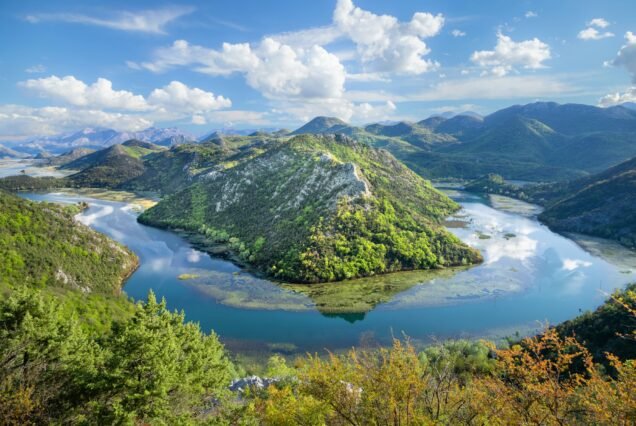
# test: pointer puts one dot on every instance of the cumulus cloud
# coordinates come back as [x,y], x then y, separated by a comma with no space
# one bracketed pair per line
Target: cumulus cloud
[273,68]
[626,56]
[178,96]
[98,104]
[19,121]
[598,22]
[174,98]
[508,54]
[386,44]
[295,71]
[147,21]
[75,92]
[592,32]
[458,33]
[618,98]
[531,14]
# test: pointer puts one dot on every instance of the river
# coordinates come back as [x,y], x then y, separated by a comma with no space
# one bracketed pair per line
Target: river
[530,276]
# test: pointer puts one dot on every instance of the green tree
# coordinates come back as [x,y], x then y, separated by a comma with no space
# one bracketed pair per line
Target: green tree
[160,368]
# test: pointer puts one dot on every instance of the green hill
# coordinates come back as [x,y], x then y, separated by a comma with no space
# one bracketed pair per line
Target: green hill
[112,166]
[42,245]
[603,205]
[68,157]
[322,125]
[319,209]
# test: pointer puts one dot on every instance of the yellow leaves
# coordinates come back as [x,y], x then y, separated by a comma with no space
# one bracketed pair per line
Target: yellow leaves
[545,380]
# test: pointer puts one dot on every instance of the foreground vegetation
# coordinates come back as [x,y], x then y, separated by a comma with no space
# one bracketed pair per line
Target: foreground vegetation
[154,368]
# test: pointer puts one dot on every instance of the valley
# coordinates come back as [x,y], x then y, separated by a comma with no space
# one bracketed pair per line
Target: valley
[528,273]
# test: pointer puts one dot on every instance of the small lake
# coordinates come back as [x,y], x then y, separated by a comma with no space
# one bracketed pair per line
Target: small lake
[530,276]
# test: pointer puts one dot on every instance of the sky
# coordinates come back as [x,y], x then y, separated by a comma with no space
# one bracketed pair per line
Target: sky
[201,65]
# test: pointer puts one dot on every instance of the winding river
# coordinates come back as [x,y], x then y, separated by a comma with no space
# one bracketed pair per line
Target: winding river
[530,276]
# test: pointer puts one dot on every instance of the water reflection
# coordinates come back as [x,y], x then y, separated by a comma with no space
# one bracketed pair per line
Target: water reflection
[530,275]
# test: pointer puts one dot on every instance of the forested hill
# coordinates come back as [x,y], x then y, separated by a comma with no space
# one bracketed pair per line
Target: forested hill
[42,245]
[603,205]
[319,208]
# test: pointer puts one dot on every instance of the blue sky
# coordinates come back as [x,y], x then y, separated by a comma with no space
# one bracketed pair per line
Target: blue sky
[250,64]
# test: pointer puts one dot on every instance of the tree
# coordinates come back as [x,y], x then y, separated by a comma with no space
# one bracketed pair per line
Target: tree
[160,367]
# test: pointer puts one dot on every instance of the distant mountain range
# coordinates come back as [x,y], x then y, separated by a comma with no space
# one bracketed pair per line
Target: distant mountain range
[542,141]
[98,138]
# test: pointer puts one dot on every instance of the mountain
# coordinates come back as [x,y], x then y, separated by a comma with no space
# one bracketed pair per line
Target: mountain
[322,125]
[602,205]
[68,157]
[42,245]
[231,131]
[518,138]
[97,138]
[629,105]
[543,141]
[170,170]
[460,125]
[112,166]
[571,119]
[10,153]
[319,208]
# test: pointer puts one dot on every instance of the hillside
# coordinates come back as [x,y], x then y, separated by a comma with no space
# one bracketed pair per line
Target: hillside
[319,209]
[322,125]
[112,166]
[10,153]
[42,245]
[602,205]
[67,157]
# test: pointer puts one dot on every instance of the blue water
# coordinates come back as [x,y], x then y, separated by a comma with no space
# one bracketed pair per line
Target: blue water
[534,276]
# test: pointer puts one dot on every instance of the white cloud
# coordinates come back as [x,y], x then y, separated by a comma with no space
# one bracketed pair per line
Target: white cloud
[20,121]
[273,68]
[147,21]
[99,105]
[626,56]
[384,43]
[177,96]
[36,69]
[598,22]
[531,14]
[617,98]
[75,92]
[172,100]
[593,34]
[300,73]
[297,74]
[508,54]
[458,33]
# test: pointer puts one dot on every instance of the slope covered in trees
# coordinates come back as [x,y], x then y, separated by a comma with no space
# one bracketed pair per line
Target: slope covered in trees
[154,368]
[319,209]
[42,245]
[542,141]
[603,205]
